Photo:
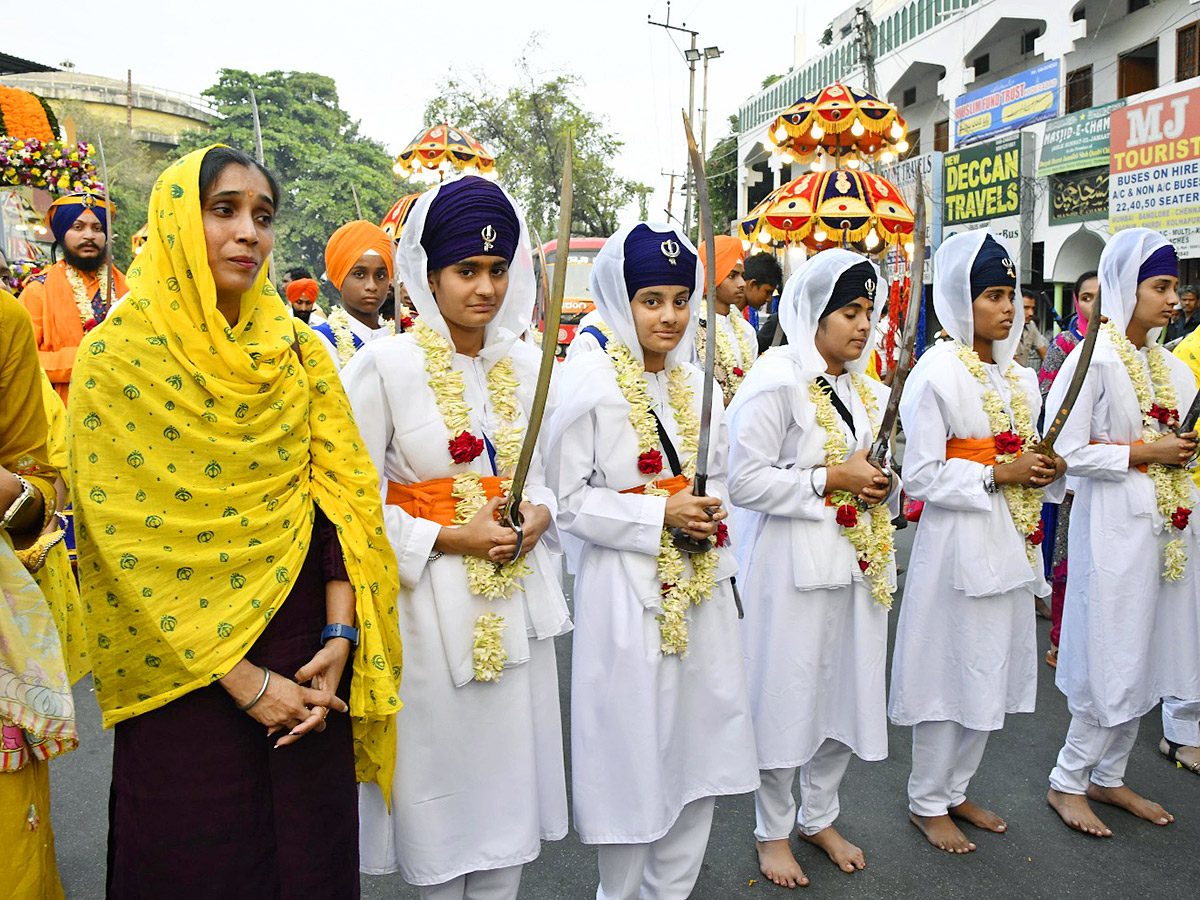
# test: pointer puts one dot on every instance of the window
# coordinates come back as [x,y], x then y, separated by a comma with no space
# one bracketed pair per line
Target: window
[914,143]
[1137,70]
[1027,41]
[910,96]
[1079,89]
[941,135]
[982,64]
[1135,5]
[1079,14]
[1187,52]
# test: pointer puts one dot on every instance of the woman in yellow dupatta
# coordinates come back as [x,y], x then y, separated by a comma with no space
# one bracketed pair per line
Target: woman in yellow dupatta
[211,447]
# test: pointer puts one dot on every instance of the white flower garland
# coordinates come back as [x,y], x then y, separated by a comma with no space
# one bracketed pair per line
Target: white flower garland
[339,323]
[484,578]
[725,366]
[83,298]
[678,590]
[1172,484]
[870,534]
[1024,503]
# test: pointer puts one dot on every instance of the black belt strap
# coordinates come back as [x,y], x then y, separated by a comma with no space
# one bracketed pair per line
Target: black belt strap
[668,447]
[843,411]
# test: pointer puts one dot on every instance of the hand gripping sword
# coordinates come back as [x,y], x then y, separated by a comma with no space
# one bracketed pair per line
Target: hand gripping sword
[108,238]
[511,515]
[1046,446]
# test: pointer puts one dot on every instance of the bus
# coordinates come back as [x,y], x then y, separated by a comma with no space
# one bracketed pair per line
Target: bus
[577,297]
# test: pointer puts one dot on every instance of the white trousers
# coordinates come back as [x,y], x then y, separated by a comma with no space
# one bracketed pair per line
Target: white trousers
[491,884]
[665,869]
[1093,753]
[1181,721]
[945,756]
[820,777]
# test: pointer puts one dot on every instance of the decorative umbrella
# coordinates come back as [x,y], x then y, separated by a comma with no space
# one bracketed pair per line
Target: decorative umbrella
[139,238]
[393,222]
[848,124]
[442,148]
[838,208]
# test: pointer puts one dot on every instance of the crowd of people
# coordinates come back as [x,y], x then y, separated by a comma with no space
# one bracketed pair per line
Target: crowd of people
[324,649]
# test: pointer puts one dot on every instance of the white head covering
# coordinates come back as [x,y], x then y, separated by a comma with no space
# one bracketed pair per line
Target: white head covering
[952,297]
[611,296]
[805,297]
[412,270]
[1119,264]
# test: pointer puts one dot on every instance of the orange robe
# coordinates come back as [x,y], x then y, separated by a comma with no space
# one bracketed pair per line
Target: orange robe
[57,326]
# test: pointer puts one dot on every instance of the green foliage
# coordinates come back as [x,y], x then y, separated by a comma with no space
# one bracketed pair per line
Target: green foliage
[525,127]
[827,37]
[721,170]
[315,150]
[768,81]
[132,170]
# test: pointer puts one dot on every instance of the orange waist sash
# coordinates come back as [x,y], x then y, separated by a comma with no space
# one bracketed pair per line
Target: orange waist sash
[672,485]
[433,499]
[1141,468]
[980,450]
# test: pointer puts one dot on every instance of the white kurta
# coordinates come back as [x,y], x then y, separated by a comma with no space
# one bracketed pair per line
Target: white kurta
[479,772]
[815,640]
[359,330]
[731,326]
[1129,637]
[966,646]
[649,733]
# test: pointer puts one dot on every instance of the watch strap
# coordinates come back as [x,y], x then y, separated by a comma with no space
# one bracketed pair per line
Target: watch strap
[338,630]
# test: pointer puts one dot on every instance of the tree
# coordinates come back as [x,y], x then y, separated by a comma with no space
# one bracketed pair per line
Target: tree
[132,170]
[721,171]
[315,150]
[525,127]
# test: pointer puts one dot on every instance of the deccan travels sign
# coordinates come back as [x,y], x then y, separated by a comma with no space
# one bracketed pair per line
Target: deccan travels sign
[1154,169]
[982,182]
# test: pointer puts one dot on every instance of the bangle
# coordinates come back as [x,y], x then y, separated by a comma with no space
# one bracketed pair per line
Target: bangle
[812,479]
[262,690]
[989,479]
[435,555]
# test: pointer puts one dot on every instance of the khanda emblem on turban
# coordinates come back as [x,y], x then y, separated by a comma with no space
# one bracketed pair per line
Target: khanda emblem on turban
[489,237]
[1007,263]
[869,286]
[671,250]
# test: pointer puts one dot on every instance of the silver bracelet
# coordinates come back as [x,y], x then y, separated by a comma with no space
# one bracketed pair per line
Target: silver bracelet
[812,483]
[262,690]
[435,555]
[989,479]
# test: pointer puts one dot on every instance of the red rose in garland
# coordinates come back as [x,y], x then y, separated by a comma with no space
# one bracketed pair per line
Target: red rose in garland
[847,516]
[650,462]
[722,534]
[1180,518]
[863,565]
[406,323]
[1009,442]
[90,324]
[1038,535]
[465,447]
[738,372]
[1162,414]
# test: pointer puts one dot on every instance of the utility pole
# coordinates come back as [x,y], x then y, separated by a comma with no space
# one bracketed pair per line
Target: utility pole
[709,53]
[129,99]
[692,55]
[865,26]
[670,193]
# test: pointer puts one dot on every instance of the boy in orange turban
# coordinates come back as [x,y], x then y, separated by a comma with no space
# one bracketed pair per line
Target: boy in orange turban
[358,262]
[737,341]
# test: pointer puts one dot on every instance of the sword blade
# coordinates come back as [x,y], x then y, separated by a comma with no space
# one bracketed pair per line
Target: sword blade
[258,145]
[357,205]
[1188,424]
[1076,385]
[904,363]
[549,344]
[710,308]
[108,238]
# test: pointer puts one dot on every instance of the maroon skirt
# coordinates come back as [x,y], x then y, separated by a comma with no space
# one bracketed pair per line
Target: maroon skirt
[203,806]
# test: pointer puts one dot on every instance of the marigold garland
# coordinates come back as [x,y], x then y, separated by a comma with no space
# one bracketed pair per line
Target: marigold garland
[725,368]
[23,115]
[1024,503]
[870,534]
[484,578]
[679,591]
[1158,403]
[83,297]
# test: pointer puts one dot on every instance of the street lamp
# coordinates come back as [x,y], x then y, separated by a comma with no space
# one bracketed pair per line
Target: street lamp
[709,53]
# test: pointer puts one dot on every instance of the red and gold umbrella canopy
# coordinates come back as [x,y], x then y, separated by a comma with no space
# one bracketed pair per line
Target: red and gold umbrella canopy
[393,222]
[846,123]
[139,238]
[442,148]
[838,208]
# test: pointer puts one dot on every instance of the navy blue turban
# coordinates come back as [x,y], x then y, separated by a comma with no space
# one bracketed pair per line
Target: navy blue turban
[469,217]
[657,259]
[65,210]
[1163,261]
[993,267]
[857,281]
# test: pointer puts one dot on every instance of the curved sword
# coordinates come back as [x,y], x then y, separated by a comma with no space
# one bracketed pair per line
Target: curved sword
[108,238]
[1085,357]
[512,508]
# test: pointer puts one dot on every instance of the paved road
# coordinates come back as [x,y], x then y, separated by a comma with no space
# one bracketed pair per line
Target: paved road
[1038,858]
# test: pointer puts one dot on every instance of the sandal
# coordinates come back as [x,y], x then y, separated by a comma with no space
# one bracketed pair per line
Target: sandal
[1170,750]
[1052,657]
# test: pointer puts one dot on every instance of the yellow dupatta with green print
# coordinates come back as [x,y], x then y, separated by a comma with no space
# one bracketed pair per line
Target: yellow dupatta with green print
[197,451]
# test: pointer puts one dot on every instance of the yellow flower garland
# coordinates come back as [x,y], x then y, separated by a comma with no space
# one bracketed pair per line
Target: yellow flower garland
[871,535]
[724,364]
[339,323]
[484,578]
[83,299]
[1172,484]
[678,591]
[1024,503]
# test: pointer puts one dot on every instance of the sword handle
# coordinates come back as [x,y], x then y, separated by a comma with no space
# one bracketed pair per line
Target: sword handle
[513,519]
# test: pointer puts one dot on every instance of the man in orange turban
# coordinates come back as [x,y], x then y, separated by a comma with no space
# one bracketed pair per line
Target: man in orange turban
[70,298]
[302,294]
[737,341]
[358,262]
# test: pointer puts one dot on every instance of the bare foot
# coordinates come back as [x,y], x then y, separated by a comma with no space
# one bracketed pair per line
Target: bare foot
[1187,757]
[1074,810]
[845,855]
[979,817]
[1135,803]
[942,833]
[776,862]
